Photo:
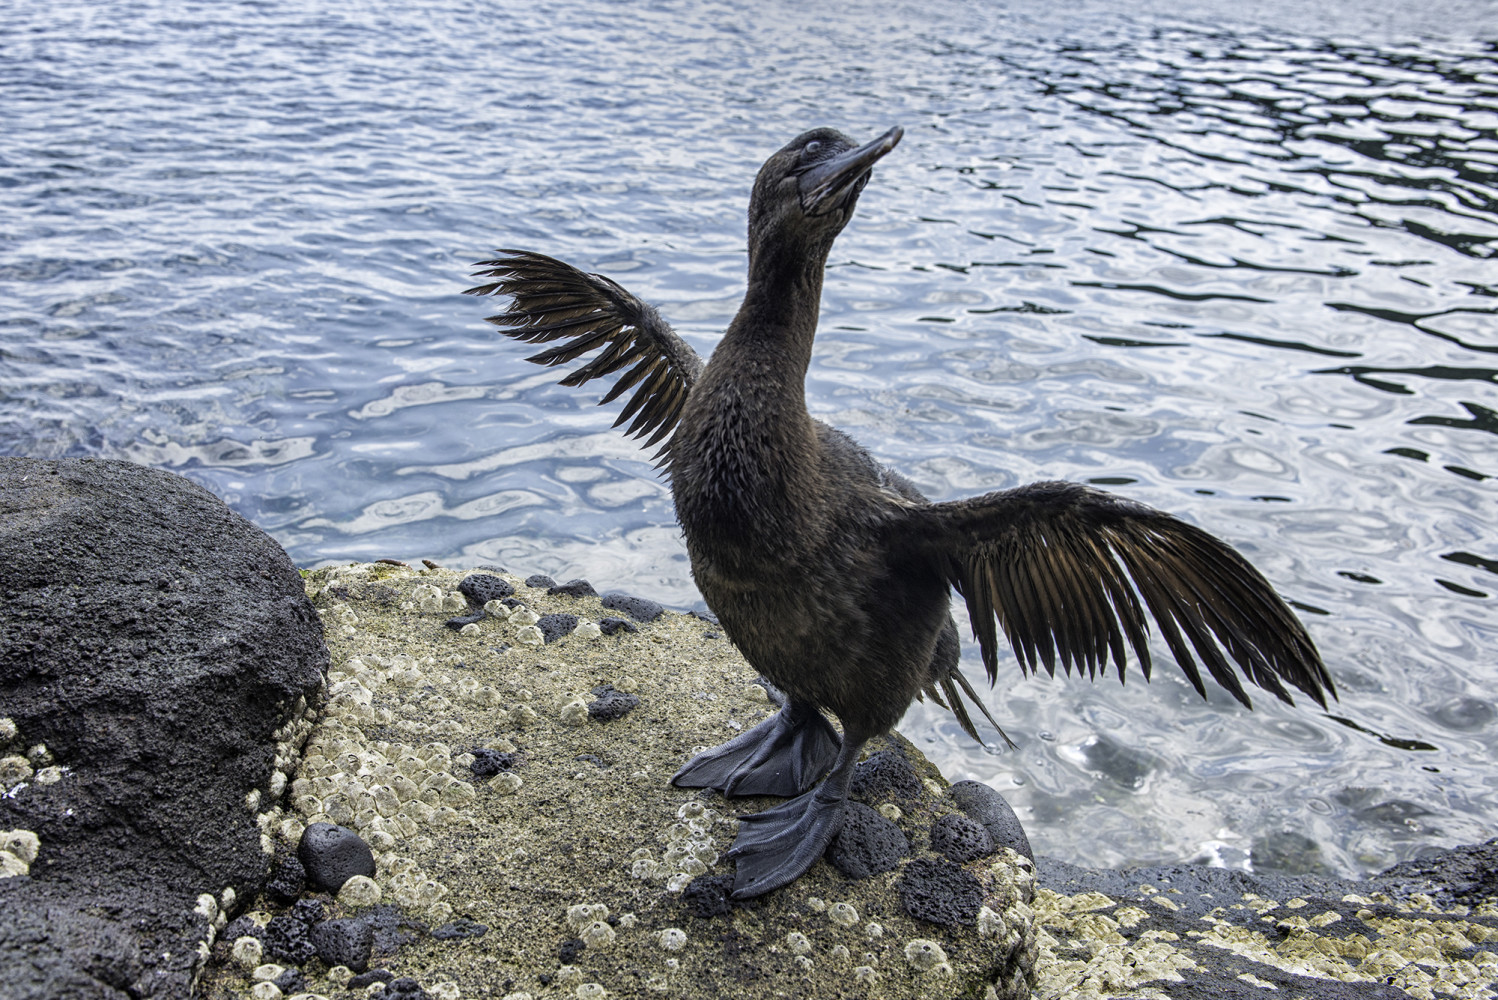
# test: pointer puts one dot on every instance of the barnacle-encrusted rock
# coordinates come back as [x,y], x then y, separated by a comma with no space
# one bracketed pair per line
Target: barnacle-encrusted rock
[164,650]
[594,873]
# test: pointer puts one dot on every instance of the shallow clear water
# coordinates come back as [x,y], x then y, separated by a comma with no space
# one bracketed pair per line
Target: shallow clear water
[1240,269]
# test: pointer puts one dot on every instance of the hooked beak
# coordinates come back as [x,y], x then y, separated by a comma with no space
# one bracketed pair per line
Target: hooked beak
[825,185]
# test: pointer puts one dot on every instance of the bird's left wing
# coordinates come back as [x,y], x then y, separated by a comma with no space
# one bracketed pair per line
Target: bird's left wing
[551,300]
[1068,571]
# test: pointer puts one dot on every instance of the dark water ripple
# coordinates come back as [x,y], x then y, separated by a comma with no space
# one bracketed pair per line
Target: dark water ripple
[1236,264]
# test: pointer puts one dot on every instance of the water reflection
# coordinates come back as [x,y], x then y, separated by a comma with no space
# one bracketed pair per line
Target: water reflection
[1242,271]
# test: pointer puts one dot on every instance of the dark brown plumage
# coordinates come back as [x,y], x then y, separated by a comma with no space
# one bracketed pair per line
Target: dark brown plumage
[833,574]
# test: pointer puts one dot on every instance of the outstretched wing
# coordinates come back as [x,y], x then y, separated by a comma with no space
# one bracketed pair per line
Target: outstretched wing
[1063,568]
[550,300]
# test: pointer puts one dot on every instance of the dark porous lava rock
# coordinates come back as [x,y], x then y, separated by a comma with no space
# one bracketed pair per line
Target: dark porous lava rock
[155,642]
[570,949]
[886,777]
[287,939]
[369,978]
[287,878]
[291,981]
[460,928]
[638,608]
[309,911]
[332,855]
[553,627]
[540,580]
[573,588]
[706,896]
[457,623]
[404,988]
[610,704]
[240,926]
[481,588]
[939,891]
[487,763]
[990,808]
[345,941]
[961,838]
[867,844]
[612,625]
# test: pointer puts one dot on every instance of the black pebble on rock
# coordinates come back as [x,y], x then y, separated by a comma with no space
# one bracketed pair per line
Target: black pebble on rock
[309,911]
[481,588]
[332,855]
[287,939]
[346,941]
[487,763]
[460,928]
[886,776]
[706,896]
[553,627]
[456,623]
[638,608]
[570,949]
[386,919]
[941,892]
[988,807]
[291,981]
[286,880]
[612,625]
[961,838]
[573,588]
[868,843]
[540,580]
[404,988]
[610,704]
[369,978]
[240,926]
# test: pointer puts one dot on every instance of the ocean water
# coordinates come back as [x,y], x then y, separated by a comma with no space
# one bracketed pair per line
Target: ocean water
[1239,264]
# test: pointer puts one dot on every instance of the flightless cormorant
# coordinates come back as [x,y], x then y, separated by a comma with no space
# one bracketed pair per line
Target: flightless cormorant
[831,573]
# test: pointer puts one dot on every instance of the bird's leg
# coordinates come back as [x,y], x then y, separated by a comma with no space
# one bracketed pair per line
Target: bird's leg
[776,846]
[784,755]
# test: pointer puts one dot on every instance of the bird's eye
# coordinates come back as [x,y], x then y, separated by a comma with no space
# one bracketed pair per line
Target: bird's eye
[812,148]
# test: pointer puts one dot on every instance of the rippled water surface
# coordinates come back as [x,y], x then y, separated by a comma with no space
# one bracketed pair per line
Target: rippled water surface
[1240,269]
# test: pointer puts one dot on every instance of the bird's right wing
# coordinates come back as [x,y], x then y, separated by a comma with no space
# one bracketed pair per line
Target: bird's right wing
[550,300]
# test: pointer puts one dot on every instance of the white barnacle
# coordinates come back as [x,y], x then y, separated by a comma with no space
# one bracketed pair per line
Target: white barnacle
[991,923]
[504,783]
[22,843]
[842,914]
[924,954]
[580,915]
[673,939]
[247,951]
[598,934]
[798,943]
[359,891]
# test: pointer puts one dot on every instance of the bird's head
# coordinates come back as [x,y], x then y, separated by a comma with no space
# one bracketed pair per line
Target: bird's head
[805,193]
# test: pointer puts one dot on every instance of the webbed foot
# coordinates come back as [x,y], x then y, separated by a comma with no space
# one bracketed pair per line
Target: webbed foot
[784,755]
[775,847]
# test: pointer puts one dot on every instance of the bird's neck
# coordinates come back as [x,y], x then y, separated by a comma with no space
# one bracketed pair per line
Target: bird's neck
[770,339]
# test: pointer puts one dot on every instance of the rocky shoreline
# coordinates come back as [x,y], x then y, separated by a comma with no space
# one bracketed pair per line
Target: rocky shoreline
[501,746]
